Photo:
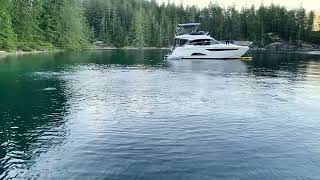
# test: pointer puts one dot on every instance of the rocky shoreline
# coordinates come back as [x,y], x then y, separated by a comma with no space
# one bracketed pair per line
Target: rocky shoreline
[19,52]
[284,46]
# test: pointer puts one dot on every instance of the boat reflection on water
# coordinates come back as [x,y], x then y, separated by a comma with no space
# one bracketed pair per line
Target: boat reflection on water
[212,66]
[127,114]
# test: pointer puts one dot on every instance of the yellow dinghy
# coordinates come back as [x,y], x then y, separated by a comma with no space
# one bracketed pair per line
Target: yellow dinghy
[246,58]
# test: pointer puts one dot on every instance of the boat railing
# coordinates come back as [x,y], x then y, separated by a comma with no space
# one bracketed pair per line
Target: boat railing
[188,28]
[239,43]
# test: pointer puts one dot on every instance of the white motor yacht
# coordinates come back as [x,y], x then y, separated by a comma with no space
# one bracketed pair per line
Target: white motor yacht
[196,44]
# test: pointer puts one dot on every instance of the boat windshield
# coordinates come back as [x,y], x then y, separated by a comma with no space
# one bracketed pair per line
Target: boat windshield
[204,42]
[180,42]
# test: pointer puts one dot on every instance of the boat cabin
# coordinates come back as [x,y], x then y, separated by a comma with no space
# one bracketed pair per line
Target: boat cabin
[189,43]
[188,34]
[195,40]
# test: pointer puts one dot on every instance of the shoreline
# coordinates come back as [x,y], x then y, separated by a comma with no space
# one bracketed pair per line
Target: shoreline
[129,48]
[20,53]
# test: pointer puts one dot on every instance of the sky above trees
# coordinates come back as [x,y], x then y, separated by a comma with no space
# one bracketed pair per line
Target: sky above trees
[291,4]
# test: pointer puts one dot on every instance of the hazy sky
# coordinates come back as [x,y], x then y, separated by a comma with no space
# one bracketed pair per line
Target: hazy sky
[308,4]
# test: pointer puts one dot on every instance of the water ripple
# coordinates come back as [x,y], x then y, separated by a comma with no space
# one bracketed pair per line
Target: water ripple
[162,120]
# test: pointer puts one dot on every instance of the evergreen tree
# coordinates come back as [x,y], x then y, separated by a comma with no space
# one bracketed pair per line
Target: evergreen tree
[26,23]
[34,24]
[139,28]
[7,35]
[64,24]
[310,22]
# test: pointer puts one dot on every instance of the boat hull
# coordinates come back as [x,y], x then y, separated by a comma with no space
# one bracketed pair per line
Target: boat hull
[219,51]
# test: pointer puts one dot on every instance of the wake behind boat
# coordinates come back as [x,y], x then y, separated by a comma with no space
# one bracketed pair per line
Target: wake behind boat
[189,43]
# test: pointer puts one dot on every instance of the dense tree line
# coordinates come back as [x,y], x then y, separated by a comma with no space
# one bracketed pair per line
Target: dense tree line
[146,23]
[36,24]
[32,24]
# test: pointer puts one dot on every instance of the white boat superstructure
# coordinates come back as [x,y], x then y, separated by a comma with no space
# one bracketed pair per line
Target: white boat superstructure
[199,45]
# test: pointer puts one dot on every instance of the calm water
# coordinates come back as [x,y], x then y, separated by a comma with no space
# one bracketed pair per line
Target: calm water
[122,115]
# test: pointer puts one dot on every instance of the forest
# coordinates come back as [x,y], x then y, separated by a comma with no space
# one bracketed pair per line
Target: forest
[74,24]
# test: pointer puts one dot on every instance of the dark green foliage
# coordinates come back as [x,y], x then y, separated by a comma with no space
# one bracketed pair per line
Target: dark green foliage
[74,24]
[7,35]
[146,23]
[315,37]
[42,24]
[25,19]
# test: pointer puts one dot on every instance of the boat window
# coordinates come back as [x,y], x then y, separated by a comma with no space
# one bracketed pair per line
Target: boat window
[179,42]
[183,42]
[212,41]
[204,42]
[200,42]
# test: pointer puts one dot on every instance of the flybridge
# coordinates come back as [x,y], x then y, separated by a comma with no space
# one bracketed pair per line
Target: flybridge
[189,28]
